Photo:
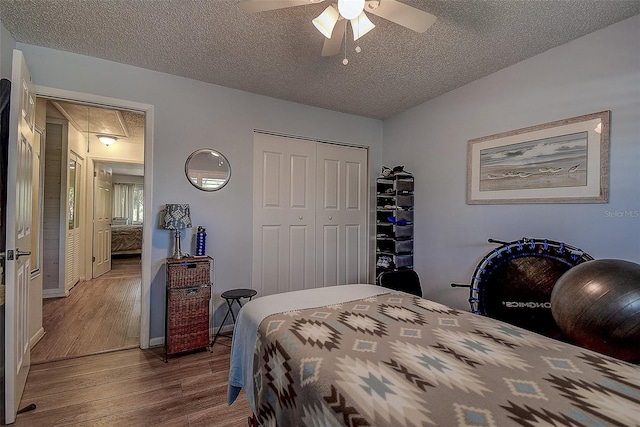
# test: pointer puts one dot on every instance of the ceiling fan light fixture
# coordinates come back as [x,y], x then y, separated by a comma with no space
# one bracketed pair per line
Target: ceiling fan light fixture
[107,139]
[326,21]
[361,26]
[350,9]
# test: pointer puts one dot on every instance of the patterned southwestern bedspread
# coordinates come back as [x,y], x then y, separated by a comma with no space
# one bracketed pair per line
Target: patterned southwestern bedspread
[399,360]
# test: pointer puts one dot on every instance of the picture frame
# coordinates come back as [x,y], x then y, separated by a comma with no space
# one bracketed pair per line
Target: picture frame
[566,161]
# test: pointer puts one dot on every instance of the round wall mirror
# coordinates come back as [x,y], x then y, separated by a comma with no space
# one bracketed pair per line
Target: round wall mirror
[207,169]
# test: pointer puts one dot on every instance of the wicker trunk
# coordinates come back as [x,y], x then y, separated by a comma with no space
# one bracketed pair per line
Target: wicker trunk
[188,296]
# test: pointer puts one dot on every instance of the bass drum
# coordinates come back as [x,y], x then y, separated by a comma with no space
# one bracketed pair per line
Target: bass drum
[513,283]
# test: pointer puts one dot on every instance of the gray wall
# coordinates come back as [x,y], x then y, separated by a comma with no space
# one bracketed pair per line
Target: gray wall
[600,71]
[189,115]
[7,44]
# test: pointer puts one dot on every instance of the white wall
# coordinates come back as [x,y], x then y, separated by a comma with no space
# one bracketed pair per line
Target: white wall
[7,44]
[600,71]
[189,115]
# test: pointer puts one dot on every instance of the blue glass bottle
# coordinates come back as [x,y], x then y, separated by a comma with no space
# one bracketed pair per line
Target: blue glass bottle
[201,240]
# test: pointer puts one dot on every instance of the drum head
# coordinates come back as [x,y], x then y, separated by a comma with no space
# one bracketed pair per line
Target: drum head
[514,282]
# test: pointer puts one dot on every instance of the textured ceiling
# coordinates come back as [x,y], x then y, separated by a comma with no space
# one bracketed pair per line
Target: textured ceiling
[126,126]
[277,53]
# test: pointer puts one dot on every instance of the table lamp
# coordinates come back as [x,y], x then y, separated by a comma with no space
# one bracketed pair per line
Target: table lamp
[177,217]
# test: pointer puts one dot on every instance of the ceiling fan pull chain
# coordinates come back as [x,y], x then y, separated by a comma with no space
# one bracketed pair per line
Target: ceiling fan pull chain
[358,49]
[345,61]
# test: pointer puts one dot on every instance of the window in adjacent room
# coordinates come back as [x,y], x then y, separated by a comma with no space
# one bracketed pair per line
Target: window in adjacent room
[128,202]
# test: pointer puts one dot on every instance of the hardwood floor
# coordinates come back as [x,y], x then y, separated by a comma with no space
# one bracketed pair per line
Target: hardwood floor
[99,315]
[71,385]
[133,388]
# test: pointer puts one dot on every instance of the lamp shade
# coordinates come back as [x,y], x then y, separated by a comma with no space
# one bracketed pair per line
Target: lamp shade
[361,26]
[326,21]
[177,217]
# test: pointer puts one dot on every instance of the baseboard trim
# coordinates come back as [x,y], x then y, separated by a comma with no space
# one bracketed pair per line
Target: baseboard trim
[156,342]
[53,293]
[224,330]
[36,337]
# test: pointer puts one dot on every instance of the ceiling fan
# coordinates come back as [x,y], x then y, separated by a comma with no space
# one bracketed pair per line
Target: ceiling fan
[332,22]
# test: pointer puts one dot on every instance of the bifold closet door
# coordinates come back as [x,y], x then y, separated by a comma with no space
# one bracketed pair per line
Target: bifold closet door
[75,188]
[341,215]
[284,185]
[309,214]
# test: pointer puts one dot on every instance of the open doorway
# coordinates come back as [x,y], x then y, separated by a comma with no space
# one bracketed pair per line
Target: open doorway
[93,192]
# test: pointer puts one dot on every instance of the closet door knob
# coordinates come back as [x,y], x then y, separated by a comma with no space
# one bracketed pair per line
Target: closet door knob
[300,217]
[330,217]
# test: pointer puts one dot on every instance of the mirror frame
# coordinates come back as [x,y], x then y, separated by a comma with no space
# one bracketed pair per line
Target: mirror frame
[206,150]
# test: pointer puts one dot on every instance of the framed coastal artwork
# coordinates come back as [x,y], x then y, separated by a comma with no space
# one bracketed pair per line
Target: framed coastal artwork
[566,161]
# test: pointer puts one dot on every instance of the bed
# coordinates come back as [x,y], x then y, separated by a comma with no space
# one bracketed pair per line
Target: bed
[362,355]
[126,239]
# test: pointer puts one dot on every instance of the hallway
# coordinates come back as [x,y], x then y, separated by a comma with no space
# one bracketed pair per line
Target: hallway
[99,315]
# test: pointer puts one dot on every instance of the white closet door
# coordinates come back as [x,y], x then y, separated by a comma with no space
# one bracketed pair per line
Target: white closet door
[284,184]
[341,215]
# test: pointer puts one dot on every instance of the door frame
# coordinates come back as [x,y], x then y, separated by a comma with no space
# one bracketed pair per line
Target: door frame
[147,109]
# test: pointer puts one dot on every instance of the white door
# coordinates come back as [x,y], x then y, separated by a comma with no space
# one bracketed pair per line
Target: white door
[18,241]
[102,184]
[283,214]
[341,219]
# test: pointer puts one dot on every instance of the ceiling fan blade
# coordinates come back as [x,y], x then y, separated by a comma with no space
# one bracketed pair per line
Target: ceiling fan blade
[254,6]
[402,14]
[332,46]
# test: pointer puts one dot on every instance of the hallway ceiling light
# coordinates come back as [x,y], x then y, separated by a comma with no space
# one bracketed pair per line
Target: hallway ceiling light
[107,139]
